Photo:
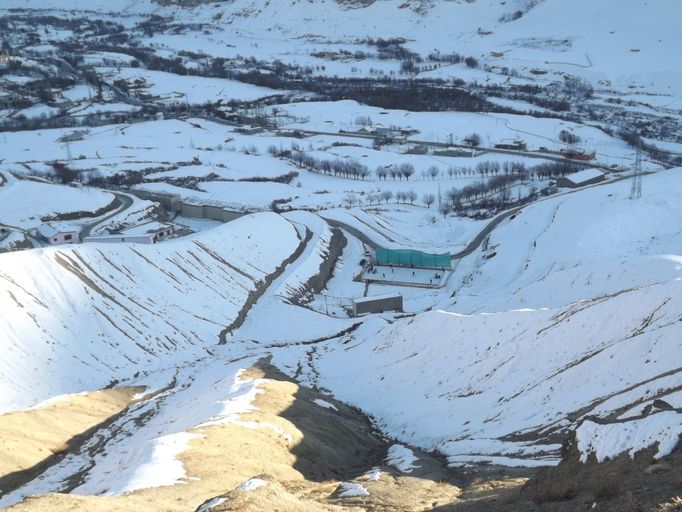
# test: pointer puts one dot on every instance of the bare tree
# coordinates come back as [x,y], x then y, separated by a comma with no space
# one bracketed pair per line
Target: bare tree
[453,195]
[428,200]
[406,170]
[434,172]
[64,173]
[577,88]
[444,208]
[568,137]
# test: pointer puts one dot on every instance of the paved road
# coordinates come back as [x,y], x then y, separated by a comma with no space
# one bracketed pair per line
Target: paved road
[490,227]
[124,201]
[529,154]
[470,248]
[353,231]
[475,243]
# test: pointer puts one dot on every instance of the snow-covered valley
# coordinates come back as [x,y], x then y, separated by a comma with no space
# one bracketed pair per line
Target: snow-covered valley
[197,199]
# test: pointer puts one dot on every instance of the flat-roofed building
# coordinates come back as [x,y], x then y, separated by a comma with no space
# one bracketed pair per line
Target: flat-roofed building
[581,178]
[377,304]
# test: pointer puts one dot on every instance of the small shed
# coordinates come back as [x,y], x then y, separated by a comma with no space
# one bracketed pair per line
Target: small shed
[59,234]
[377,304]
[581,178]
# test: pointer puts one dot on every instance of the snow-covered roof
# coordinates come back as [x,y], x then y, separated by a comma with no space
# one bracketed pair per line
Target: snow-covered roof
[147,228]
[583,176]
[50,229]
[362,300]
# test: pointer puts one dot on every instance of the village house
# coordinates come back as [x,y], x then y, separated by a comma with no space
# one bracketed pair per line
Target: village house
[513,144]
[59,234]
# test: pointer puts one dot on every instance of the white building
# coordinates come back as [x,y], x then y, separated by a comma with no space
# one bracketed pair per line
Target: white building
[581,178]
[59,234]
[148,233]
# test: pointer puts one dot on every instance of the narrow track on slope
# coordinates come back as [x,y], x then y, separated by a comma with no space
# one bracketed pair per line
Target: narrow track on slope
[263,286]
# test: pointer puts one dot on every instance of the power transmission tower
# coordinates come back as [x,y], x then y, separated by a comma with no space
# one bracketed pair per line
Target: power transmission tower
[636,189]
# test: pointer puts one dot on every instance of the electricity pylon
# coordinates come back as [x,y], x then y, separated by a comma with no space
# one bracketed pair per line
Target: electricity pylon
[636,189]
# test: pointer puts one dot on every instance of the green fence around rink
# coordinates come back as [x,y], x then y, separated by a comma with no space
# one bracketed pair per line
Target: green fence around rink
[412,258]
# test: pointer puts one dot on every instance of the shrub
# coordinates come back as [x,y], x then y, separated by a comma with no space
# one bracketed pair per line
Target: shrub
[471,62]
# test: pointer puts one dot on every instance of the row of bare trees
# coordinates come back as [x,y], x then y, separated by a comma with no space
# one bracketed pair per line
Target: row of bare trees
[351,168]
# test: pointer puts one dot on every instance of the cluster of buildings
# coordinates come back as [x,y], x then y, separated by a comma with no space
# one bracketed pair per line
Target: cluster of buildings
[57,233]
[147,233]
[386,134]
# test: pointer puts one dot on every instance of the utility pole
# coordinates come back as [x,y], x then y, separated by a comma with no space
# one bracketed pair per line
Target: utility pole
[636,189]
[69,156]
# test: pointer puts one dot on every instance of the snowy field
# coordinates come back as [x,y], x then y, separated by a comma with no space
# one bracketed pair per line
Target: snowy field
[27,204]
[236,171]
[453,127]
[629,52]
[171,88]
[405,276]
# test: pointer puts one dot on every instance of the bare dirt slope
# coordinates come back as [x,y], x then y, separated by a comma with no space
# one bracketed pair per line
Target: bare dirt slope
[31,440]
[300,454]
[304,452]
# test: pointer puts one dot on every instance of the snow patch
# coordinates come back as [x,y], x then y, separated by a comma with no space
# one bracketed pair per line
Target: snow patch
[351,490]
[373,475]
[402,458]
[325,405]
[252,484]
[609,441]
[163,468]
[211,504]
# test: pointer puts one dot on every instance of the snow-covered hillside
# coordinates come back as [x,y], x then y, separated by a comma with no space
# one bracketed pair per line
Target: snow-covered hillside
[80,318]
[27,204]
[580,246]
[628,44]
[496,387]
[576,314]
